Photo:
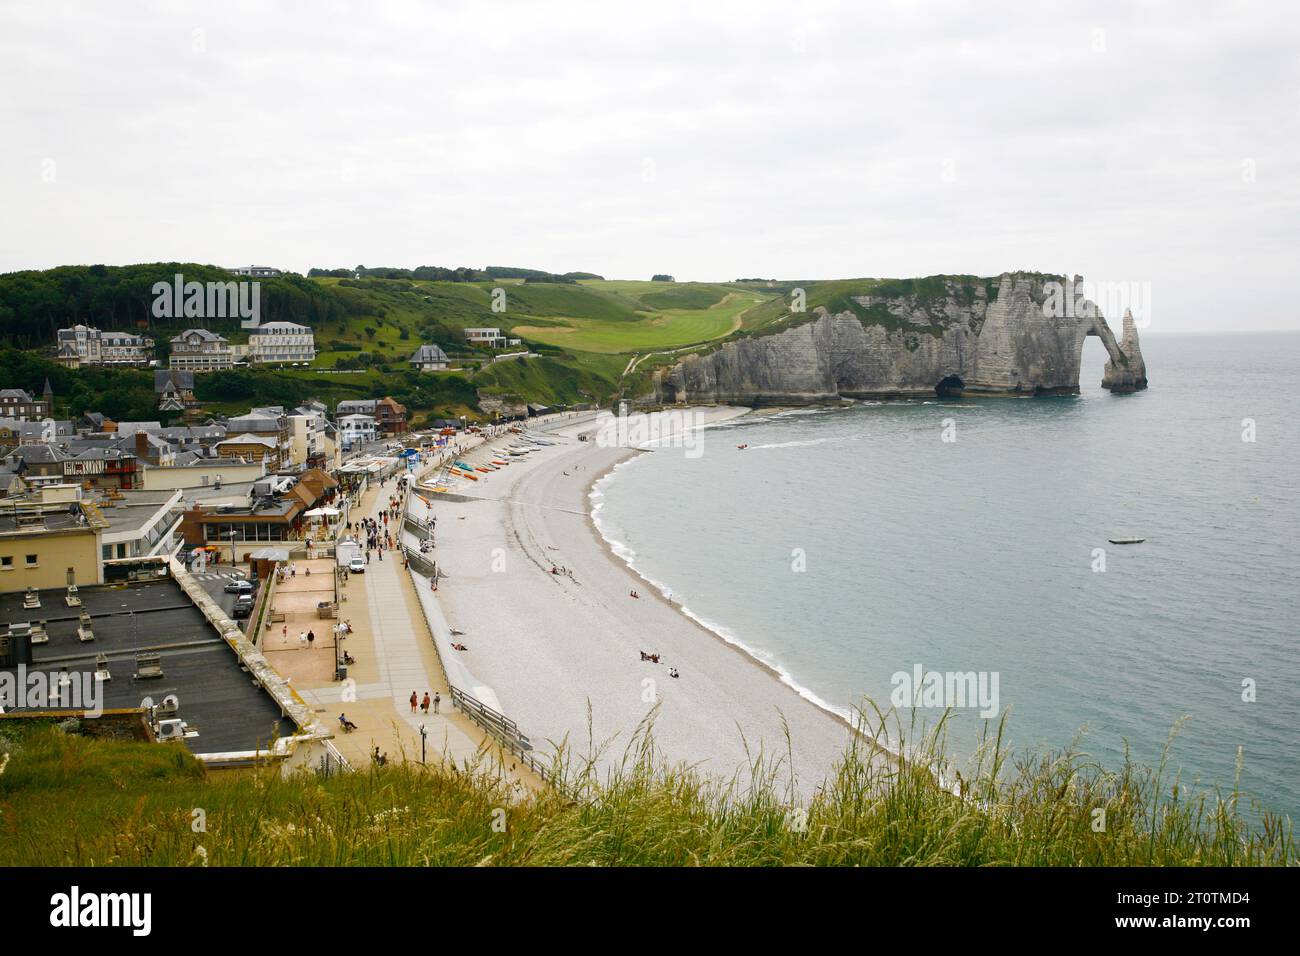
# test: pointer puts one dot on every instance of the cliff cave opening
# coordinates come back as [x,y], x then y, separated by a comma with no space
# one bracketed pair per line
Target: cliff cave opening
[950,387]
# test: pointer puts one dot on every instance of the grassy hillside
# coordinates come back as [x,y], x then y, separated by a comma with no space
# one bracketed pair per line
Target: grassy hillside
[70,800]
[592,331]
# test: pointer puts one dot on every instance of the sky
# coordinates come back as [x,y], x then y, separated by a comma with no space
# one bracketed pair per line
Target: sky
[1143,143]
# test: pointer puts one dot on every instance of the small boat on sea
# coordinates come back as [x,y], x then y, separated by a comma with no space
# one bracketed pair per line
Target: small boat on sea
[1126,540]
[743,447]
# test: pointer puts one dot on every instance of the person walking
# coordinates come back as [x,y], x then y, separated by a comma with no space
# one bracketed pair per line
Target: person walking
[437,699]
[424,704]
[414,699]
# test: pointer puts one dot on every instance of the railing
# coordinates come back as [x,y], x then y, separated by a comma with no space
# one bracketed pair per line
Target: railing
[500,727]
[265,601]
[331,761]
[422,565]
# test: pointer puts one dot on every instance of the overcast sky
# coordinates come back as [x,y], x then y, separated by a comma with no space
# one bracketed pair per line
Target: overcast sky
[1144,142]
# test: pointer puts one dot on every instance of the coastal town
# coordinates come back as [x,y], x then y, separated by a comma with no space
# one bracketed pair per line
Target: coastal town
[202,577]
[343,569]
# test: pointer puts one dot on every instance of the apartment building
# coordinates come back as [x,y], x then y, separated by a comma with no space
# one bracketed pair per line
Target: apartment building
[50,538]
[357,429]
[199,350]
[21,405]
[85,345]
[280,343]
[390,416]
[268,423]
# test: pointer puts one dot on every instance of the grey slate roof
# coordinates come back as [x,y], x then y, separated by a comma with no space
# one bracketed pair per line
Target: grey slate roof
[429,353]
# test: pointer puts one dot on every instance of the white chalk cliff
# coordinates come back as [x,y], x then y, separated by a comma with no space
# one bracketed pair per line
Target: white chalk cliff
[1023,340]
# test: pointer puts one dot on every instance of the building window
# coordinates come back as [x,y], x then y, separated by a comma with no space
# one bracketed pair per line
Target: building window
[32,560]
[6,564]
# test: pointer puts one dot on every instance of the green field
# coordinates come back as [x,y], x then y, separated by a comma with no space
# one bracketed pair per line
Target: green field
[667,328]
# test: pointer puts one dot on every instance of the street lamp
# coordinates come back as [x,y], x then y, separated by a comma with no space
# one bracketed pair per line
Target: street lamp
[423,736]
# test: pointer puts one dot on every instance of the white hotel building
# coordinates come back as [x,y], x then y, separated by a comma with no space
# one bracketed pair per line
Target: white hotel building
[281,342]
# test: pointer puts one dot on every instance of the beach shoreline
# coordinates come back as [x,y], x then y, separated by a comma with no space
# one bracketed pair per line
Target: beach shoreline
[736,645]
[569,637]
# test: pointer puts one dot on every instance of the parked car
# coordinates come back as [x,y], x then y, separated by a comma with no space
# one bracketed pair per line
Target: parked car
[243,606]
[357,565]
[238,586]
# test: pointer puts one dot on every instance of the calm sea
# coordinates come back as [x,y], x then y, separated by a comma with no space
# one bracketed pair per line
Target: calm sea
[845,546]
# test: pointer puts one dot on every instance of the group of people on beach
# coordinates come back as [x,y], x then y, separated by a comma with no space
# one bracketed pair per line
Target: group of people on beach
[435,701]
[654,659]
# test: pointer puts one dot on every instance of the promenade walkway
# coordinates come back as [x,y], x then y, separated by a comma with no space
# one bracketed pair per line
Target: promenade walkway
[395,656]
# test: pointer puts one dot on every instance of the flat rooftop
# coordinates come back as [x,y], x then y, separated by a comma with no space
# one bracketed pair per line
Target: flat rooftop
[266,509]
[216,694]
[135,509]
[51,519]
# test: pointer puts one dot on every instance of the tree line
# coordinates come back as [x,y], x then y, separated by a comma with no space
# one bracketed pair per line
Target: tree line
[34,304]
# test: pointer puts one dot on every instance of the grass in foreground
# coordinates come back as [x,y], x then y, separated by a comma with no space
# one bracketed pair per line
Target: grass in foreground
[70,800]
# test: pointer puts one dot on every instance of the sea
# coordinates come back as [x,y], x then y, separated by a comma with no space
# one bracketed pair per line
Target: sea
[857,549]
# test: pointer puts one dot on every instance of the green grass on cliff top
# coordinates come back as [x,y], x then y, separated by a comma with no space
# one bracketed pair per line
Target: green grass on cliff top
[693,315]
[67,800]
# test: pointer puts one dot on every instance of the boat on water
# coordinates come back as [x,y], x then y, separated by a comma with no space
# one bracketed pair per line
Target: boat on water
[743,447]
[1126,540]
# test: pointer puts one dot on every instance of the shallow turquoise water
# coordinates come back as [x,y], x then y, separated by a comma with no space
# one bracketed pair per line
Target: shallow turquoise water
[978,554]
